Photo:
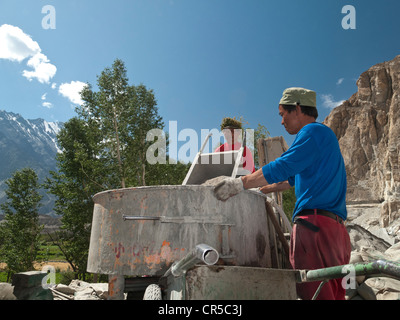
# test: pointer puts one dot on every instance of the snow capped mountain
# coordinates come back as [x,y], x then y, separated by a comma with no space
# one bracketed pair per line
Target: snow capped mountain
[27,143]
[14,126]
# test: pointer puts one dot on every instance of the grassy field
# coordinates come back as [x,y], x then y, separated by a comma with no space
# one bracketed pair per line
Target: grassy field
[49,254]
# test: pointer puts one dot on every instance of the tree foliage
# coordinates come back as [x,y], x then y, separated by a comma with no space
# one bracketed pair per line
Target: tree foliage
[20,231]
[260,133]
[123,114]
[80,175]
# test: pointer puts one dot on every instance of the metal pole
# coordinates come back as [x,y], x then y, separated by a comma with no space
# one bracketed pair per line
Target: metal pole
[116,287]
[319,290]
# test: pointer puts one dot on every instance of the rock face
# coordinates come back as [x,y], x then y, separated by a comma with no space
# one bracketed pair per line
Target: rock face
[368,129]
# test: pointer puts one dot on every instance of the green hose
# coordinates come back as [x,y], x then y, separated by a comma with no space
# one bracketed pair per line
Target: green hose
[385,267]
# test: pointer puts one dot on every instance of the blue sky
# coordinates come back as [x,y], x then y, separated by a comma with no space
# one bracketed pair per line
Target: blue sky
[204,59]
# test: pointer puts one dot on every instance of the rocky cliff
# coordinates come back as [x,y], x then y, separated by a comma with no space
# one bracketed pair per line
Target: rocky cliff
[368,129]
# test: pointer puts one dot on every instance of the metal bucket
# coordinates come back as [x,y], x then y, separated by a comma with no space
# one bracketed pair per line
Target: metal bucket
[142,231]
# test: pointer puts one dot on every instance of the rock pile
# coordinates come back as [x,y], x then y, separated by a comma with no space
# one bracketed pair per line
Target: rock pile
[80,290]
[367,247]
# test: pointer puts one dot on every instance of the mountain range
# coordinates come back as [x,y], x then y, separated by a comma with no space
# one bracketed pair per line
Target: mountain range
[27,144]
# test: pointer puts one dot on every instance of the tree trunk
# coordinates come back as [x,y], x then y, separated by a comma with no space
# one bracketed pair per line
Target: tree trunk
[121,171]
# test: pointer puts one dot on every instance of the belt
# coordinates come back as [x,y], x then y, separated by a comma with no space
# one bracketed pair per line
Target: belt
[320,212]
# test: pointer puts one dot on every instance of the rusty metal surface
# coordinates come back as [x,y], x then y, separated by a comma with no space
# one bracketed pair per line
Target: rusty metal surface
[116,287]
[188,215]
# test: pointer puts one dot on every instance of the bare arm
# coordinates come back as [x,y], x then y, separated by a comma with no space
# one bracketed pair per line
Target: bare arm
[276,187]
[257,179]
[254,180]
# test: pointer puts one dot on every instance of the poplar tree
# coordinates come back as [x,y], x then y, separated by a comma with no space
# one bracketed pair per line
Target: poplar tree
[104,148]
[81,173]
[20,230]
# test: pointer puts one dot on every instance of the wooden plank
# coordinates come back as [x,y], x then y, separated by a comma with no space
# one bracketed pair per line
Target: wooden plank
[278,230]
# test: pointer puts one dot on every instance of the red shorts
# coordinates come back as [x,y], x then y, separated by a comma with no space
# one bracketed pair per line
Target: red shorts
[328,247]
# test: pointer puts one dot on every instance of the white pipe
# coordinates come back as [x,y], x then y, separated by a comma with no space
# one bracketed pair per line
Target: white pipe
[201,253]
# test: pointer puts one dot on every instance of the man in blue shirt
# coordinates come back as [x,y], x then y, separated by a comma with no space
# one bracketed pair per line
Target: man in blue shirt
[314,166]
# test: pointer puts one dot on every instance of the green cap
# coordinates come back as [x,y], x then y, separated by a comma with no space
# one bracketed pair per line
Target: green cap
[294,96]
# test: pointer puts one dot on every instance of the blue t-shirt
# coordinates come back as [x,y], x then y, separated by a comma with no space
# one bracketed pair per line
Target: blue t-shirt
[315,166]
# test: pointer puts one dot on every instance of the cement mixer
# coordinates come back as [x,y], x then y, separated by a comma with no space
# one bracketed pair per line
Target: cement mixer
[180,242]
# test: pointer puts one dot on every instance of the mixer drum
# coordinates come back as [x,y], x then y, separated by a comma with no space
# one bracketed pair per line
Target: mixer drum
[142,231]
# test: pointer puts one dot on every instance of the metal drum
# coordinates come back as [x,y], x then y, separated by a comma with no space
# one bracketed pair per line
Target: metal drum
[142,231]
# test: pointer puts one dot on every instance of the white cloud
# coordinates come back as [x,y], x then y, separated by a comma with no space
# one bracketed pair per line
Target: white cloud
[339,82]
[43,71]
[15,45]
[72,91]
[329,102]
[47,104]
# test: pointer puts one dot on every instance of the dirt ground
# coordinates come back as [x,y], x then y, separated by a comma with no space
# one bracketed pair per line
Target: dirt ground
[58,265]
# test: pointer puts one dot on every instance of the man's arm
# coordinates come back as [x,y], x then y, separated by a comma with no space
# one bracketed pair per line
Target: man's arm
[257,179]
[276,187]
[254,180]
[231,186]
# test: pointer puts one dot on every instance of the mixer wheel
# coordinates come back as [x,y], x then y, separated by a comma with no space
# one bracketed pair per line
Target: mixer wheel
[153,292]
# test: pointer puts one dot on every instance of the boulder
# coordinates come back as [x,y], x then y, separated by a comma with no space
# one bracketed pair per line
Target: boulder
[380,288]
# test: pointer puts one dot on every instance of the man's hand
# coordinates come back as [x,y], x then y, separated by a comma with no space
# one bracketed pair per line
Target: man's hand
[228,188]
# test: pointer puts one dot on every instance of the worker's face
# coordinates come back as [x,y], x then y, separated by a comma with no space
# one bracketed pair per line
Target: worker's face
[232,135]
[290,120]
